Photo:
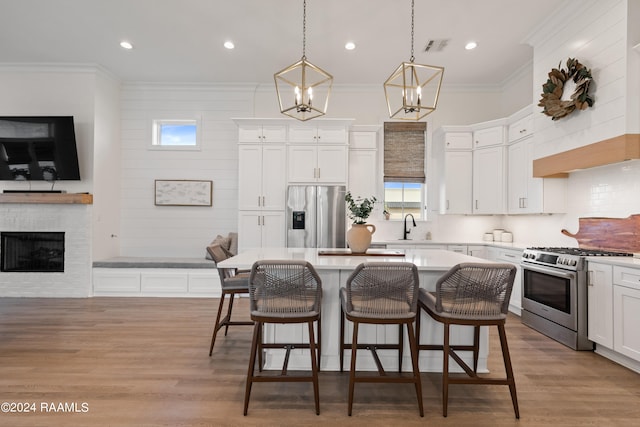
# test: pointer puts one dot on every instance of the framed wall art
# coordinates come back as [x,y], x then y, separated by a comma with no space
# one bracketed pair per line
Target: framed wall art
[183,192]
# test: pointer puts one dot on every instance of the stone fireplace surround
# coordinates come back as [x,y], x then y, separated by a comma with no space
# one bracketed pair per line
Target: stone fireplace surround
[72,219]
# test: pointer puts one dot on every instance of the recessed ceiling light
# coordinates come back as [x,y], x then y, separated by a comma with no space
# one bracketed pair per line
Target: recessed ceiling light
[126,45]
[229,44]
[350,46]
[471,45]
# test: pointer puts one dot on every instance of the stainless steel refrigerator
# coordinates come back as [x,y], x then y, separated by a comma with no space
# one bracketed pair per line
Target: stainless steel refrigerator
[316,216]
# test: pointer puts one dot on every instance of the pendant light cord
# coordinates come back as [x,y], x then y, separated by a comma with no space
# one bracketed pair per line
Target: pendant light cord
[304,29]
[412,4]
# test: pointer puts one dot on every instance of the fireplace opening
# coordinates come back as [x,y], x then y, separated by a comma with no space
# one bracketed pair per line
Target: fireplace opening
[32,252]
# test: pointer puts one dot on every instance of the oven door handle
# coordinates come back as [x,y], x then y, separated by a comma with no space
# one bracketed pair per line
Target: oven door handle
[549,271]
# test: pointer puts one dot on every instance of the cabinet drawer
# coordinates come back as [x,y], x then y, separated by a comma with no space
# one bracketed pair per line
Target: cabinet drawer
[521,128]
[628,277]
[506,255]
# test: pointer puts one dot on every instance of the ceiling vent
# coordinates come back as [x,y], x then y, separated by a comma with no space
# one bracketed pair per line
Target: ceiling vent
[436,45]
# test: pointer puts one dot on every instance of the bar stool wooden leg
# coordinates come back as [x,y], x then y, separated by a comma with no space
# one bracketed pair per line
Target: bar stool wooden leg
[217,324]
[476,347]
[342,346]
[228,316]
[314,367]
[413,344]
[252,363]
[352,372]
[400,346]
[445,370]
[508,368]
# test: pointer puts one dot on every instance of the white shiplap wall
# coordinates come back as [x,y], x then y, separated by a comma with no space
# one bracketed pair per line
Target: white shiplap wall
[596,34]
[149,230]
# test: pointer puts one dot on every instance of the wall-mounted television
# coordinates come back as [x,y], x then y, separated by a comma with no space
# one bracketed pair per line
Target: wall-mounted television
[38,149]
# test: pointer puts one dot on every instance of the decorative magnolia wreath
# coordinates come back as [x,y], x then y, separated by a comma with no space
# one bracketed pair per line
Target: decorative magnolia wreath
[553,89]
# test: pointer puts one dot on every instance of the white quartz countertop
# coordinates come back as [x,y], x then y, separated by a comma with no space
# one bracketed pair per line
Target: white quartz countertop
[622,261]
[424,259]
[411,242]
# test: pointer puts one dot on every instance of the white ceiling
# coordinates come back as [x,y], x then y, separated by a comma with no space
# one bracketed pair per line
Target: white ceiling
[182,40]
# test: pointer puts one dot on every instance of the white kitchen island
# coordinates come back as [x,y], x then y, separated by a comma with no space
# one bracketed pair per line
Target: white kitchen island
[334,271]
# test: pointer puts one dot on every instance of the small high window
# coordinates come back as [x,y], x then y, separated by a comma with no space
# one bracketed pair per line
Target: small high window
[176,134]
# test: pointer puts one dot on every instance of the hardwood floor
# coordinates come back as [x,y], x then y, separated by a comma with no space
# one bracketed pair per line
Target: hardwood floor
[144,362]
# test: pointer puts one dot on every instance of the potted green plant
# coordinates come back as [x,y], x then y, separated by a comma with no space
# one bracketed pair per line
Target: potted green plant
[359,235]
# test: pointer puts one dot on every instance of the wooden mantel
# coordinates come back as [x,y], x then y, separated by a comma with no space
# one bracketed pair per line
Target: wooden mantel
[609,151]
[47,198]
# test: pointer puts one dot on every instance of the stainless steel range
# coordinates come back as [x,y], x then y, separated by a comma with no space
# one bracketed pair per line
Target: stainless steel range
[554,293]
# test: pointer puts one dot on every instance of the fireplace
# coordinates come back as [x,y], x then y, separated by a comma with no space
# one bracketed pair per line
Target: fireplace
[32,252]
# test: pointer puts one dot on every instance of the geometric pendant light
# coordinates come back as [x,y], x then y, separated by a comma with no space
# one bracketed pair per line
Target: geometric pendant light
[303,89]
[412,90]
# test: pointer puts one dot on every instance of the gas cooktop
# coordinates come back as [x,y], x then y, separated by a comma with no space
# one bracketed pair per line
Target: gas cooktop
[579,251]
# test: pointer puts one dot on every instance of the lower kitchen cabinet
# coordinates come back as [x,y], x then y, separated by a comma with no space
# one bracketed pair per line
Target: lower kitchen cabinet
[614,312]
[626,312]
[600,304]
[258,229]
[510,256]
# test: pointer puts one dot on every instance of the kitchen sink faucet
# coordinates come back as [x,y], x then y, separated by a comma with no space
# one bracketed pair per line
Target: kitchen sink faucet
[406,232]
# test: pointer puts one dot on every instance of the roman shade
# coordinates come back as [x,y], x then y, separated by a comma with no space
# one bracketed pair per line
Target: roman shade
[404,152]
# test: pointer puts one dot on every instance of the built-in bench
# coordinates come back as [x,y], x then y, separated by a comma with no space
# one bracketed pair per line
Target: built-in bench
[142,276]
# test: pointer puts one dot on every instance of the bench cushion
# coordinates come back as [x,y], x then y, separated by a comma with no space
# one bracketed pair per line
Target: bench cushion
[155,262]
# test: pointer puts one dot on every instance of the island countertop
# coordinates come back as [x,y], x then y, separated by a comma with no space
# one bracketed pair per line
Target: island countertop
[334,271]
[424,259]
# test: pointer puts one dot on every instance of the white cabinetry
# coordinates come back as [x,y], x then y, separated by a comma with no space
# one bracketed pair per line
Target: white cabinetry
[363,162]
[477,251]
[489,136]
[261,229]
[262,176]
[453,163]
[526,194]
[318,163]
[600,304]
[323,134]
[626,311]
[488,180]
[262,180]
[513,256]
[262,133]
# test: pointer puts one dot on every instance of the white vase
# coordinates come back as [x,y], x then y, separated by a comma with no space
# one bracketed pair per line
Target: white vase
[359,237]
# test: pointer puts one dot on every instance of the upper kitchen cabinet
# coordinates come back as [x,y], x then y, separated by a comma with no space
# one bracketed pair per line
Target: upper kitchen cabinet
[453,169]
[488,180]
[318,163]
[526,194]
[363,161]
[522,127]
[489,168]
[253,132]
[491,133]
[321,132]
[262,176]
[318,152]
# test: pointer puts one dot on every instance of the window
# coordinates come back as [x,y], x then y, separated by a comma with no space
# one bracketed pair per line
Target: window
[176,135]
[401,198]
[404,169]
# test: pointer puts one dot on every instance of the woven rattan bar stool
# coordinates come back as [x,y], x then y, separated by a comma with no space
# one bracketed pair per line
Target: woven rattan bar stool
[232,282]
[382,293]
[284,292]
[474,295]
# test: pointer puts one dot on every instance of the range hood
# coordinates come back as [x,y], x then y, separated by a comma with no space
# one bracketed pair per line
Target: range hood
[609,151]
